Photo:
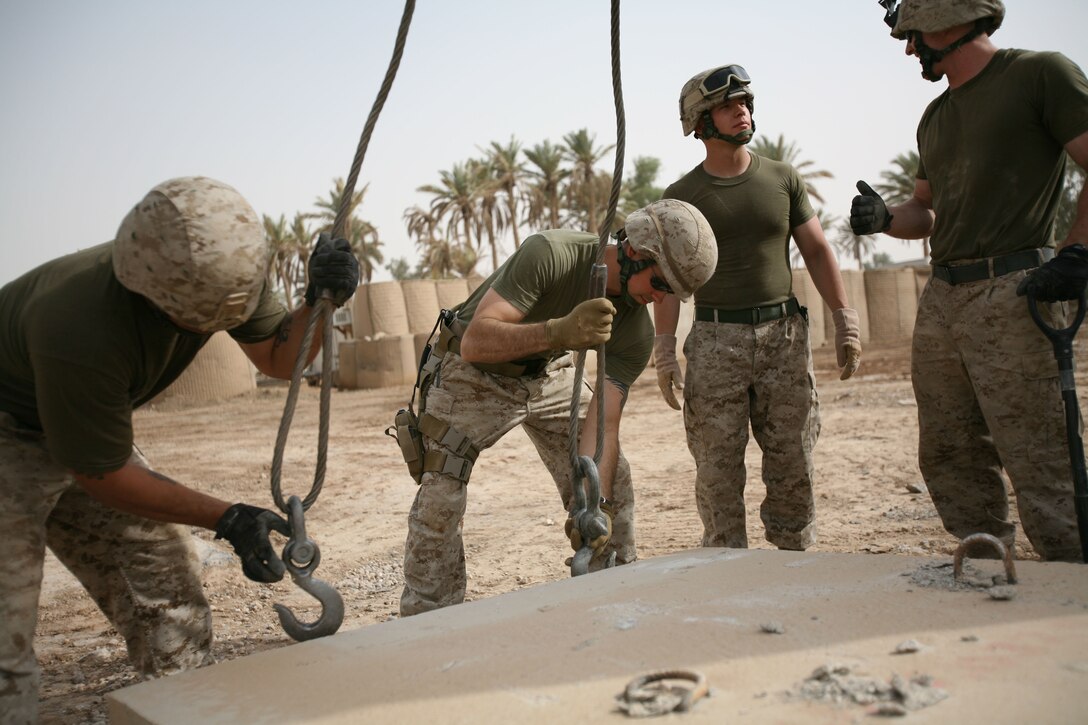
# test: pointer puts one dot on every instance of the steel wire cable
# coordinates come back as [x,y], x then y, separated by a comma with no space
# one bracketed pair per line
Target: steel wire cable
[323,307]
[599,279]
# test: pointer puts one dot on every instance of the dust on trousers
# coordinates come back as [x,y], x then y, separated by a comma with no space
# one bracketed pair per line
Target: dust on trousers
[484,407]
[143,575]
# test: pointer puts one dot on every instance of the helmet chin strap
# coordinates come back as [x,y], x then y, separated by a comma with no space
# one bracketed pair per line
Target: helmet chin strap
[932,56]
[629,268]
[710,130]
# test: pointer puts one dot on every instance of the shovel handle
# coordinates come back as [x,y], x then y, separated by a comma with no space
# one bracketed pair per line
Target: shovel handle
[1061,338]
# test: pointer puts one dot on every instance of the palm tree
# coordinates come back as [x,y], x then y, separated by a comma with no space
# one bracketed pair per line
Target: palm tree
[508,172]
[583,200]
[846,242]
[284,253]
[546,179]
[304,239]
[491,217]
[400,270]
[639,188]
[897,185]
[781,150]
[454,199]
[362,235]
[437,254]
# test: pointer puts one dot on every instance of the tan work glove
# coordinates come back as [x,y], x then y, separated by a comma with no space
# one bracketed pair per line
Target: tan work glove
[847,340]
[599,542]
[669,377]
[587,325]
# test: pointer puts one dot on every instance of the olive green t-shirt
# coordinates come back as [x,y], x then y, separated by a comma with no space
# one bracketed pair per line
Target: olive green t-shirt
[752,216]
[991,150]
[79,352]
[548,276]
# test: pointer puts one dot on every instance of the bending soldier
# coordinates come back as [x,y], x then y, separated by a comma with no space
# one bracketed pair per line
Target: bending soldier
[84,340]
[503,360]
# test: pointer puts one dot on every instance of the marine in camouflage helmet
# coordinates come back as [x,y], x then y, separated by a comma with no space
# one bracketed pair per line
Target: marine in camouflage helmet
[914,17]
[680,240]
[196,249]
[930,16]
[708,89]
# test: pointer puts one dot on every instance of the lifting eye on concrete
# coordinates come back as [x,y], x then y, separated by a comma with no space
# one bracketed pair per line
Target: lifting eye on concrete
[301,557]
[994,543]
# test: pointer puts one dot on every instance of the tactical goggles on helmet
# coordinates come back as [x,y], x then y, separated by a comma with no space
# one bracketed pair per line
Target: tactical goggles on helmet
[891,16]
[722,79]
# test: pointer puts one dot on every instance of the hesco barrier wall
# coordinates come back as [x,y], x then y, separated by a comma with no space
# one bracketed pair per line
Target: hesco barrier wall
[421,304]
[378,309]
[391,320]
[220,370]
[892,296]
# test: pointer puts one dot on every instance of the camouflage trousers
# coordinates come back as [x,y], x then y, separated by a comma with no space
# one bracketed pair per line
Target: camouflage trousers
[762,375]
[143,575]
[989,398]
[484,407]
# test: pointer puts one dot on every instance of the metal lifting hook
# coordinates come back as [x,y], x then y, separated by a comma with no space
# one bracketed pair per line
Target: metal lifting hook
[301,556]
[588,517]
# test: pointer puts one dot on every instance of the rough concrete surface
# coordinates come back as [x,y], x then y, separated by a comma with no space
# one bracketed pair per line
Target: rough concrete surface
[563,651]
[870,500]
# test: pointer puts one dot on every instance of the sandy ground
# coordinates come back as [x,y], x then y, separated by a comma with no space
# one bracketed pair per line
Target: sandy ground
[870,498]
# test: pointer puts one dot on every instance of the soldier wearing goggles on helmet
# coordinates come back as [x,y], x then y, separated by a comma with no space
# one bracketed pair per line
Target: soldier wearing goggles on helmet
[502,360]
[748,358]
[84,340]
[992,151]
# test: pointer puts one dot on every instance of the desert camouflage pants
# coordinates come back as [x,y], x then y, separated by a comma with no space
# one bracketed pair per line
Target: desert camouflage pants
[758,374]
[988,397]
[485,407]
[144,575]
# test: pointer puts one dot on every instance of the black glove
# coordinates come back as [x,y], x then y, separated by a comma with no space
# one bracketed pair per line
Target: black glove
[1062,278]
[246,528]
[334,267]
[868,212]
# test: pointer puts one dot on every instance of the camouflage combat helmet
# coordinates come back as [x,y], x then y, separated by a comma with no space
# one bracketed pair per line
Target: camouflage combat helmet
[930,16]
[680,240]
[711,87]
[196,249]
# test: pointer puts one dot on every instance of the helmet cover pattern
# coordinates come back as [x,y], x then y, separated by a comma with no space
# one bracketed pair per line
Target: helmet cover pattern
[196,249]
[679,239]
[931,16]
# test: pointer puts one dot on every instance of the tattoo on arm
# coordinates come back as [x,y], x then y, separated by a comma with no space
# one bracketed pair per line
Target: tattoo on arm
[623,388]
[283,333]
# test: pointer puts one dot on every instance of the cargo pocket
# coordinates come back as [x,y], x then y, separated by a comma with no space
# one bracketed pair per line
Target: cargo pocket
[1042,391]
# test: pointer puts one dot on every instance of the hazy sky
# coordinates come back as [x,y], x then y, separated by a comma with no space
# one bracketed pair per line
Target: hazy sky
[102,100]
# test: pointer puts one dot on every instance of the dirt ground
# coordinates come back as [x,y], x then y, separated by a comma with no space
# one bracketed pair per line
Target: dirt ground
[870,498]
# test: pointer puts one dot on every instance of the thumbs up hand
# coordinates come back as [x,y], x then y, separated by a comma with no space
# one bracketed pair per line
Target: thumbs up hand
[868,212]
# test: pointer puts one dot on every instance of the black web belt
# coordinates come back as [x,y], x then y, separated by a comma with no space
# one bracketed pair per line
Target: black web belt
[750,316]
[992,267]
